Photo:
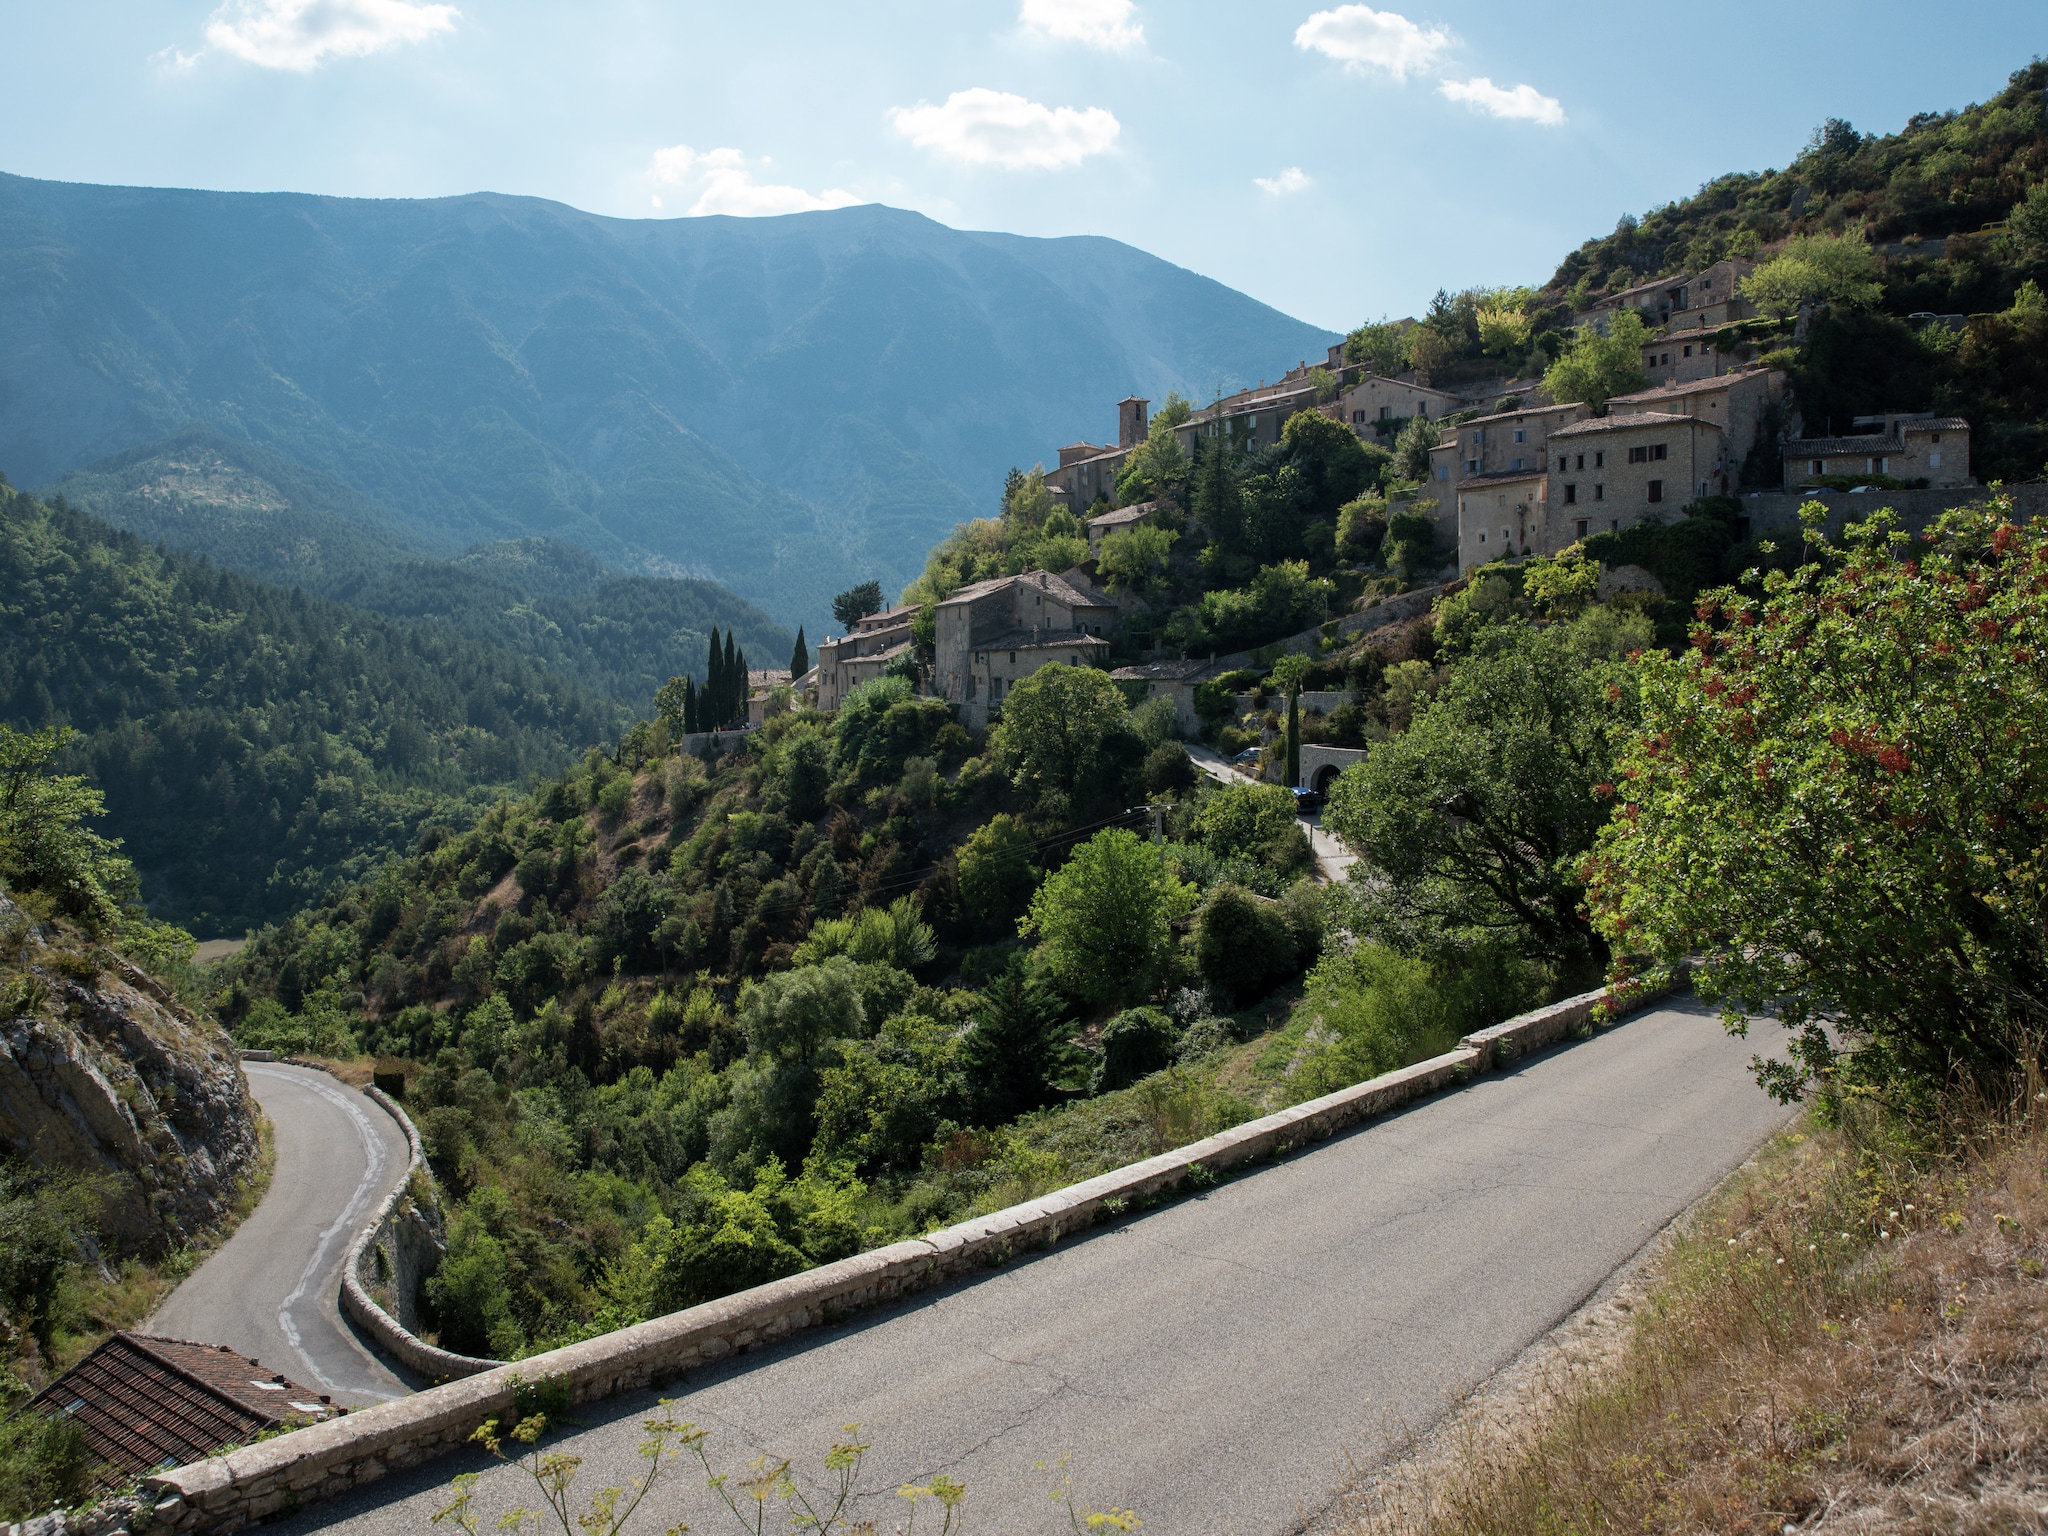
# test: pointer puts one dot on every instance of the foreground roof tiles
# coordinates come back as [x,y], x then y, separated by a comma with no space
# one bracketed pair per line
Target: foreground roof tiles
[146,1403]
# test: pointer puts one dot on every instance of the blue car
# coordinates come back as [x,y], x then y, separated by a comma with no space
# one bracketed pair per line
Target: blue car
[1247,757]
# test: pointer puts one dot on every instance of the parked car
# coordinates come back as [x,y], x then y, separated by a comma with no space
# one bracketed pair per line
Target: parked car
[1248,758]
[1306,800]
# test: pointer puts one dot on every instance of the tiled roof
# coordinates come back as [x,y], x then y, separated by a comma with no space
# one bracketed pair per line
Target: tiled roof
[1123,515]
[1933,424]
[1625,421]
[146,1403]
[1042,581]
[1515,415]
[1696,387]
[1164,672]
[877,658]
[1038,640]
[1501,477]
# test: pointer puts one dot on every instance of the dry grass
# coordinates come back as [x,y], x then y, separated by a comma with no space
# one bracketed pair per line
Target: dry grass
[1853,1337]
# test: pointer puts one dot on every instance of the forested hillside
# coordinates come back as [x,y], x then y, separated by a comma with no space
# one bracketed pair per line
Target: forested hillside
[764,402]
[254,743]
[620,636]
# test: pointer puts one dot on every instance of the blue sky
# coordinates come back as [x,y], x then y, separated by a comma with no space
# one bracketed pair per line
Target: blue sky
[1338,161]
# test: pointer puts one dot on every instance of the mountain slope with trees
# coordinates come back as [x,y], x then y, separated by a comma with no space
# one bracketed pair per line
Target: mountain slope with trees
[619,636]
[254,743]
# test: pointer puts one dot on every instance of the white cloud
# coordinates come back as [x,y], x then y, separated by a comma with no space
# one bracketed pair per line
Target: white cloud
[301,35]
[1293,179]
[984,127]
[1521,101]
[1363,39]
[1098,23]
[724,184]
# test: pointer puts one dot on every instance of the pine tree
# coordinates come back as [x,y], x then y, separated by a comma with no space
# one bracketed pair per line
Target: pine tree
[1019,1048]
[800,658]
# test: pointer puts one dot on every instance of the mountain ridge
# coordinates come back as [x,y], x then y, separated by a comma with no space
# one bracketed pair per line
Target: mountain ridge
[784,405]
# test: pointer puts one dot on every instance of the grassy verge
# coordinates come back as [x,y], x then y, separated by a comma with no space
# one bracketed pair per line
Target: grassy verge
[1853,1333]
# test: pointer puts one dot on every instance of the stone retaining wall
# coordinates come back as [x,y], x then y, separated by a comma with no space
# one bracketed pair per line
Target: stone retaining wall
[227,1492]
[406,1239]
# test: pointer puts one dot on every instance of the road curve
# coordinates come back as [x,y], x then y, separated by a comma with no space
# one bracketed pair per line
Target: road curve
[1217,1365]
[272,1290]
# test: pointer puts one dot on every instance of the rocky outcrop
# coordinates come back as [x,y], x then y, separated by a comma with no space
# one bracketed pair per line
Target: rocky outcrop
[104,1072]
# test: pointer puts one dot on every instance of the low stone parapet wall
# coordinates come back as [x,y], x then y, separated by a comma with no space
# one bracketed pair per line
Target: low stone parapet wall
[397,1231]
[326,1459]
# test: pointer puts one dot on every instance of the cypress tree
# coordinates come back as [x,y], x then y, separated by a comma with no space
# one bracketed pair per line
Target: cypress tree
[714,687]
[689,707]
[800,658]
[735,698]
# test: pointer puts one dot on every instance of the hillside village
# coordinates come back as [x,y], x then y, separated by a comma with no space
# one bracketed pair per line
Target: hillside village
[1624,635]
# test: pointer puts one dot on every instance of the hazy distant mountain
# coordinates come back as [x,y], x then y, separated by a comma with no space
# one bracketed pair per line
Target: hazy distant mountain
[785,405]
[618,635]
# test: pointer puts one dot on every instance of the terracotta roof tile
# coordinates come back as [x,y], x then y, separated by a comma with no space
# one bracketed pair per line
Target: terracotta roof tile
[146,1402]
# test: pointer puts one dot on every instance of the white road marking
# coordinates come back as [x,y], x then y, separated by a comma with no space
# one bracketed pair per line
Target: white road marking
[344,1226]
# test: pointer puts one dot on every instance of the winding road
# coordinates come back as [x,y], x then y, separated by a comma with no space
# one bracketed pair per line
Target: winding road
[272,1290]
[1218,1365]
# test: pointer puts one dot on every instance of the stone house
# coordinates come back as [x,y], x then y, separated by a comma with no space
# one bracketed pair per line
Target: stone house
[1614,470]
[1906,447]
[995,633]
[761,684]
[1511,443]
[1119,521]
[1089,470]
[1504,515]
[859,656]
[1373,398]
[1739,402]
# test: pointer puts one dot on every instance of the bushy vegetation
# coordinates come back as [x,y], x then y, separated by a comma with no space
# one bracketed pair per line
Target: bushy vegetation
[679,1024]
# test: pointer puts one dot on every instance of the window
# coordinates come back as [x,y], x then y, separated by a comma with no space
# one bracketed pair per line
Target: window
[1599,460]
[1383,412]
[1482,535]
[1820,466]
[1521,436]
[1688,351]
[1884,466]
[1934,437]
[1582,462]
[1443,471]
[1934,459]
[1516,465]
[1656,490]
[1358,418]
[1013,658]
[1580,525]
[1471,466]
[1571,495]
[1614,525]
[1599,493]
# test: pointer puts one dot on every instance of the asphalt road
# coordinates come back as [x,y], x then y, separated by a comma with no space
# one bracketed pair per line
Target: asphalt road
[272,1290]
[1217,1365]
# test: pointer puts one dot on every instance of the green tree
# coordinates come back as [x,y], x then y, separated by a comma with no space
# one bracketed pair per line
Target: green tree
[671,705]
[1412,447]
[1839,799]
[1134,558]
[1412,546]
[799,658]
[1104,920]
[1475,820]
[856,603]
[45,846]
[1062,727]
[996,873]
[1596,367]
[1380,347]
[1242,944]
[1815,269]
[1289,673]
[1135,1044]
[1218,504]
[2029,224]
[1019,1051]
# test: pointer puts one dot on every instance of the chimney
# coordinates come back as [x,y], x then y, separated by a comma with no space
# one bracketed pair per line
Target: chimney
[1131,421]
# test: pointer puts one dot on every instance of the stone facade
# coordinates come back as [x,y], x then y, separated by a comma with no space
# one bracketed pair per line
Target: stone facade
[1505,443]
[1738,403]
[1620,468]
[1931,448]
[859,656]
[1503,515]
[993,634]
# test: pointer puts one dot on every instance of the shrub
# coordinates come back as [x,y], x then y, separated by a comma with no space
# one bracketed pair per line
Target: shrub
[1105,919]
[1169,770]
[1135,1044]
[1241,943]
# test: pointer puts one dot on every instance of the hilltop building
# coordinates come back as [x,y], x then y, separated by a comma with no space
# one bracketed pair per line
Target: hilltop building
[993,634]
[859,656]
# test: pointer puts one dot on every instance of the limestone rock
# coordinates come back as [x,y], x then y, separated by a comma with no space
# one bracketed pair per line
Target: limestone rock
[104,1072]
